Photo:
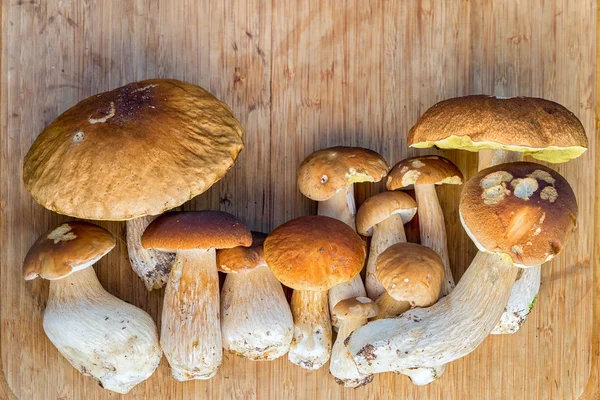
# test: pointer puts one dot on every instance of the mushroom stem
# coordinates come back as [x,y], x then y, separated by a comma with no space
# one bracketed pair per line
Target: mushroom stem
[432,229]
[385,234]
[256,321]
[444,332]
[340,206]
[311,346]
[390,307]
[191,333]
[342,366]
[489,158]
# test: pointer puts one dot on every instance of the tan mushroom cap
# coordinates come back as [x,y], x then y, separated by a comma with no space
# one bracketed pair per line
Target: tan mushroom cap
[525,210]
[241,259]
[537,127]
[323,173]
[137,150]
[423,170]
[68,248]
[355,308]
[188,230]
[380,207]
[314,253]
[411,272]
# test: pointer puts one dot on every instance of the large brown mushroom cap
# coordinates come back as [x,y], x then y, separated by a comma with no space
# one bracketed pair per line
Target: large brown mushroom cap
[380,207]
[137,150]
[423,170]
[68,248]
[314,253]
[411,272]
[323,173]
[240,259]
[525,210]
[188,230]
[541,128]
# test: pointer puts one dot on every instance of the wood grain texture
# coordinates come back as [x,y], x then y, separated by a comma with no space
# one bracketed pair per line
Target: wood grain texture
[302,76]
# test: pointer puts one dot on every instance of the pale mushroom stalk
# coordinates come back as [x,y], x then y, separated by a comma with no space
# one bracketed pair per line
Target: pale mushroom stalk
[340,206]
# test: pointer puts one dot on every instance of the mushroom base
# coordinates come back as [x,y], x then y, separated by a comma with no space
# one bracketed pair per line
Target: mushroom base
[341,366]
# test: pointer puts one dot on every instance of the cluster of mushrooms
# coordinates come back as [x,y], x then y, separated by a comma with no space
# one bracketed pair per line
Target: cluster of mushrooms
[137,151]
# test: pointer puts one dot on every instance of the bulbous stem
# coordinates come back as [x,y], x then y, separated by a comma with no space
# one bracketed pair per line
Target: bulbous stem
[341,366]
[390,307]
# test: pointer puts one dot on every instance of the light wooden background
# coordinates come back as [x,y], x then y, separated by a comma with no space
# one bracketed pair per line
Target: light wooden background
[301,76]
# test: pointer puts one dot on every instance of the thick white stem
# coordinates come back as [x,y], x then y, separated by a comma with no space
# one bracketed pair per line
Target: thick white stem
[489,158]
[102,336]
[342,366]
[256,320]
[390,307]
[340,206]
[191,332]
[311,346]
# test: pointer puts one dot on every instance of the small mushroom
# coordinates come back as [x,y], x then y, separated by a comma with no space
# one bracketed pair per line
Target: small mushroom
[383,217]
[256,320]
[101,336]
[311,255]
[191,329]
[424,173]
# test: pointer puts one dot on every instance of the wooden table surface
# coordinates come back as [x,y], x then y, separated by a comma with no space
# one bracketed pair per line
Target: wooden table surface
[302,76]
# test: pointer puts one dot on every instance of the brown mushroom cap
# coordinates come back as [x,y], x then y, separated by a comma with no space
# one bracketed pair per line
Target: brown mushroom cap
[380,207]
[355,308]
[314,253]
[541,128]
[137,150]
[188,230]
[525,210]
[411,272]
[423,170]
[68,248]
[323,173]
[240,259]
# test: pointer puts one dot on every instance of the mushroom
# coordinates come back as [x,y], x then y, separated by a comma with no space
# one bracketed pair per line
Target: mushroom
[425,173]
[256,320]
[383,217]
[516,219]
[311,255]
[191,331]
[503,130]
[132,152]
[352,313]
[101,336]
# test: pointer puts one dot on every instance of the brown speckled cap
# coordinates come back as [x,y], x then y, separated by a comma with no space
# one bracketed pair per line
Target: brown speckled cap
[522,209]
[355,308]
[314,253]
[323,173]
[411,272]
[70,247]
[187,230]
[137,150]
[240,259]
[423,170]
[380,207]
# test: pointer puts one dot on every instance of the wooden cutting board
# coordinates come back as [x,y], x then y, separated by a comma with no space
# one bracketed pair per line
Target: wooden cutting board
[302,76]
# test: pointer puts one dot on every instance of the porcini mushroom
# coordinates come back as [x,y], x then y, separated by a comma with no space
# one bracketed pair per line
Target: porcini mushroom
[138,150]
[311,255]
[101,336]
[256,320]
[191,331]
[424,173]
[383,217]
[516,219]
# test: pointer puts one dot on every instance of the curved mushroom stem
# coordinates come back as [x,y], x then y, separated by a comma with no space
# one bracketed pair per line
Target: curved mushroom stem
[102,336]
[151,266]
[311,346]
[424,376]
[444,332]
[390,307]
[340,206]
[342,366]
[432,229]
[190,332]
[385,234]
[256,320]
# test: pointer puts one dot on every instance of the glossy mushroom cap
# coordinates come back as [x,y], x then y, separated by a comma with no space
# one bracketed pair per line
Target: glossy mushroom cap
[423,170]
[241,259]
[382,206]
[314,253]
[188,230]
[411,272]
[355,308]
[137,150]
[524,210]
[541,128]
[71,247]
[325,172]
